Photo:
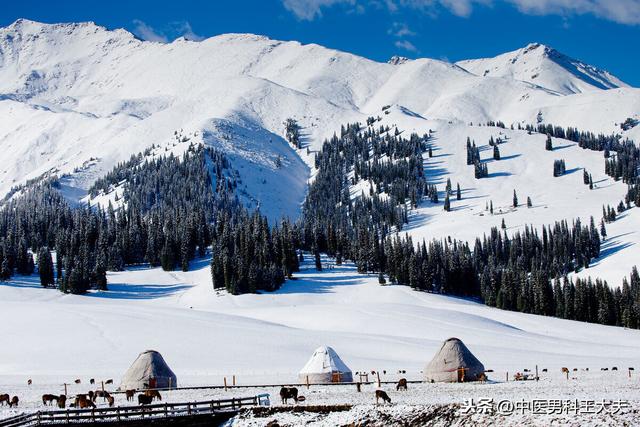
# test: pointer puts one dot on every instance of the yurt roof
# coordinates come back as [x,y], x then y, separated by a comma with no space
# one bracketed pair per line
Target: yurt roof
[325,359]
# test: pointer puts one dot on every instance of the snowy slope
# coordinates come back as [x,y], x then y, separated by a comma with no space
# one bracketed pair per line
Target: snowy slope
[205,335]
[545,67]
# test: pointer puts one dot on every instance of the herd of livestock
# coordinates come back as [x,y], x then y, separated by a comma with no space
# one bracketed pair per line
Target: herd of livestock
[85,400]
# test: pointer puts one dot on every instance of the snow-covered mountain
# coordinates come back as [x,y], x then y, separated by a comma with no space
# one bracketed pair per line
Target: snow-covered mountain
[75,99]
[100,94]
[545,67]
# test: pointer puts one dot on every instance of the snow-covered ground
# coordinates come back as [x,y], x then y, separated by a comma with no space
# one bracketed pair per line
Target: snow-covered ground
[205,336]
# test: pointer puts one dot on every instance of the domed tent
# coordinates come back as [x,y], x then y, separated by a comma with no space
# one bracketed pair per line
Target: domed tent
[325,366]
[453,363]
[149,370]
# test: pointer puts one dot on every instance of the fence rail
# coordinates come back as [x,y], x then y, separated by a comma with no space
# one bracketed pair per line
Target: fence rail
[122,414]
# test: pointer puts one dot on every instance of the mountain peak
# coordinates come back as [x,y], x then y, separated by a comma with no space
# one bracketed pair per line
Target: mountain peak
[545,66]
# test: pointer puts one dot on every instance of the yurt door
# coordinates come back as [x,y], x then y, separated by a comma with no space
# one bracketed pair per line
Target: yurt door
[461,375]
[335,377]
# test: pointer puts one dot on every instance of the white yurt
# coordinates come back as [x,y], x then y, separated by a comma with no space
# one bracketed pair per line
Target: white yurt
[325,366]
[453,363]
[149,370]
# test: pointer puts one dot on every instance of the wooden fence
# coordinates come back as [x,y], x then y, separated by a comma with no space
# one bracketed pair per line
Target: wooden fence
[124,414]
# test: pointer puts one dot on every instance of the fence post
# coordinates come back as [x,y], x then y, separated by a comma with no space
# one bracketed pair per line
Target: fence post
[118,414]
[507,376]
[225,383]
[307,380]
[166,410]
[537,378]
[234,380]
[378,375]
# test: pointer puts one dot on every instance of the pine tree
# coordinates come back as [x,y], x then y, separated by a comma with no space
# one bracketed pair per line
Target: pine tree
[529,204]
[45,267]
[318,262]
[496,152]
[549,144]
[515,199]
[447,203]
[503,225]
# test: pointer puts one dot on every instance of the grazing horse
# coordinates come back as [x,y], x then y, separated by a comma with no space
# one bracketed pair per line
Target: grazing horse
[62,401]
[381,394]
[49,398]
[83,402]
[130,394]
[104,394]
[4,398]
[402,384]
[29,382]
[14,401]
[92,381]
[565,370]
[109,381]
[91,395]
[77,381]
[143,399]
[287,393]
[111,401]
[154,394]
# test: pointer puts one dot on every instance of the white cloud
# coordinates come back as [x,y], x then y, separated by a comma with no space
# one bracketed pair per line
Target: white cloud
[310,9]
[184,29]
[620,11]
[176,29]
[400,29]
[406,45]
[146,32]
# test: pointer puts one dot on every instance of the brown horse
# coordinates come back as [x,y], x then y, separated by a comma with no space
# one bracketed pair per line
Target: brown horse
[287,393]
[47,399]
[402,384]
[109,381]
[62,401]
[381,394]
[143,399]
[111,401]
[104,394]
[83,402]
[154,394]
[14,401]
[130,394]
[4,398]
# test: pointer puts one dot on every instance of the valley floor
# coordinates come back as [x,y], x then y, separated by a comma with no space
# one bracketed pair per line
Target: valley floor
[265,339]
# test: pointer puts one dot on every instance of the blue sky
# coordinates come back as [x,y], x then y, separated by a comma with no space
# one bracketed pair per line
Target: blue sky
[604,33]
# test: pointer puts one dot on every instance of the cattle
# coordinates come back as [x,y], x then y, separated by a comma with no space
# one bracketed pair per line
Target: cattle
[287,393]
